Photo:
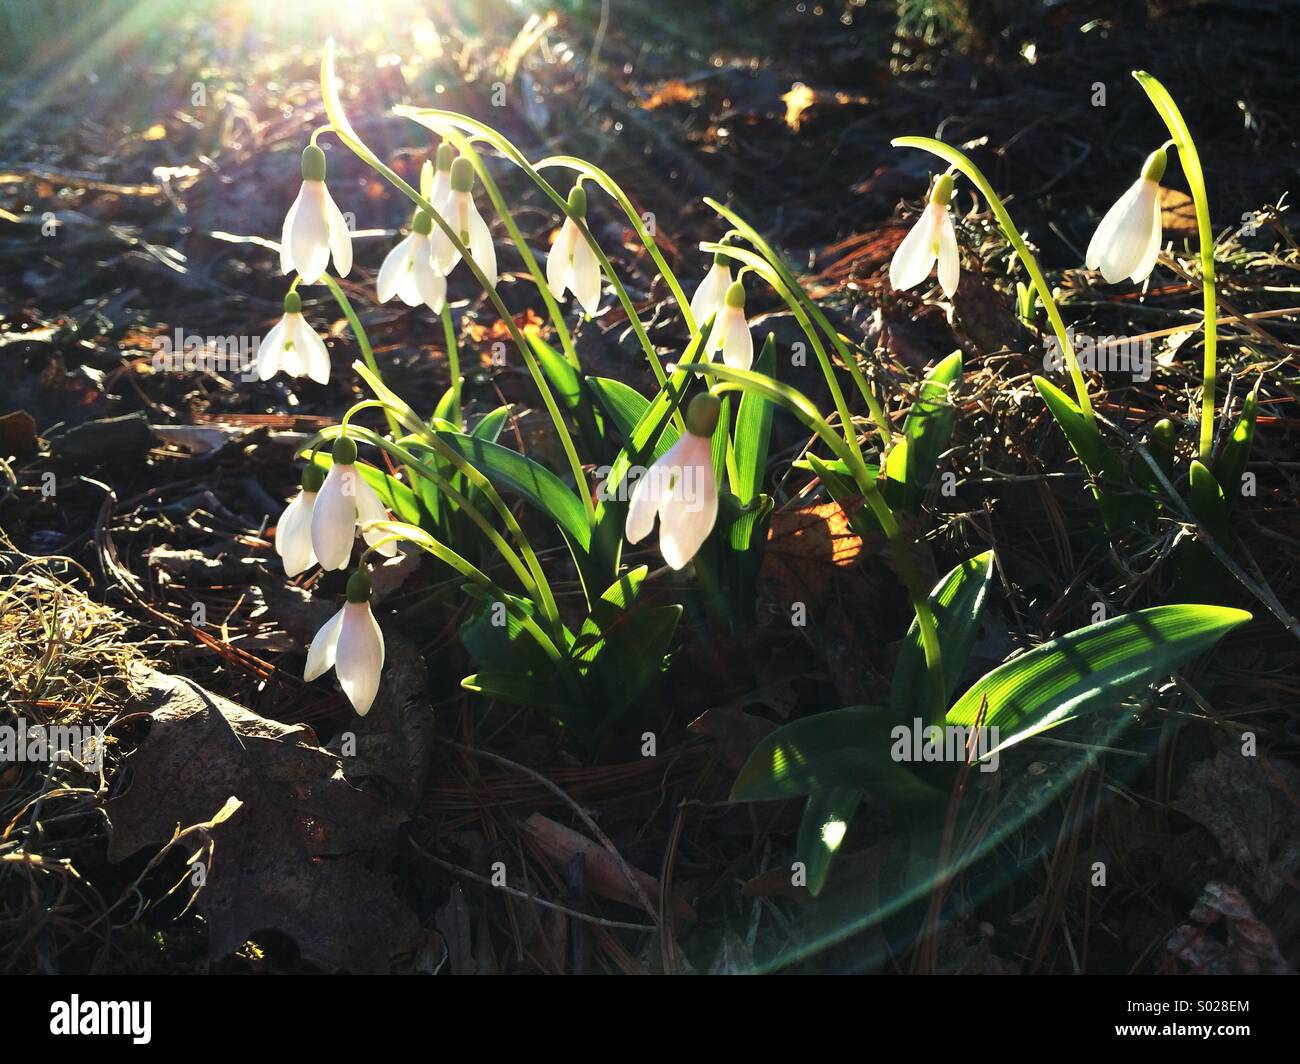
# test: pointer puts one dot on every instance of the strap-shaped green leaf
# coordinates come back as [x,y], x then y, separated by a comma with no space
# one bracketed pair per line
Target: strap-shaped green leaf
[754,430]
[1090,669]
[826,819]
[913,461]
[841,748]
[537,484]
[1230,466]
[958,602]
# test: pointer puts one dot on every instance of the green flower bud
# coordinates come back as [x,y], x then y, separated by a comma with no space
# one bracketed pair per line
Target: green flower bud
[313,163]
[293,303]
[702,414]
[313,476]
[578,201]
[446,155]
[462,175]
[736,295]
[422,223]
[1154,168]
[942,191]
[345,451]
[359,586]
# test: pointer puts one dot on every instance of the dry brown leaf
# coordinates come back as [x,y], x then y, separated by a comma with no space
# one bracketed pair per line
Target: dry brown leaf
[797,101]
[295,857]
[809,550]
[1177,212]
[671,92]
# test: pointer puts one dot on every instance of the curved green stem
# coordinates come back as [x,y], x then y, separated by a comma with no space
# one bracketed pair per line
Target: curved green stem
[343,129]
[847,356]
[643,234]
[363,341]
[1191,162]
[431,474]
[422,539]
[444,122]
[465,146]
[957,159]
[764,269]
[453,364]
[803,408]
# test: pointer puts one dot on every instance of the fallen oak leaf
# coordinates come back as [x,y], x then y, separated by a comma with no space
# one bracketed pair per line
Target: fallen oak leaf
[297,856]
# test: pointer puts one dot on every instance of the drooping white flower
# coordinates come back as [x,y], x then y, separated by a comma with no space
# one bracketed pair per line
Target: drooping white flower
[351,644]
[463,216]
[681,489]
[344,502]
[730,333]
[293,347]
[408,271]
[293,530]
[932,239]
[1127,241]
[314,229]
[712,291]
[572,265]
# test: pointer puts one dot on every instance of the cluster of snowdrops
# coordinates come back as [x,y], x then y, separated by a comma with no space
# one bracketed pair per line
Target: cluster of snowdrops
[703,467]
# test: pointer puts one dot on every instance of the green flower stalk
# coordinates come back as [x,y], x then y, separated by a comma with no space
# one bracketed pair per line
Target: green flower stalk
[1191,163]
[961,162]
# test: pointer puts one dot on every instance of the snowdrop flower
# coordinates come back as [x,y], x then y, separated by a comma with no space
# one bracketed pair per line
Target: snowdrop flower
[345,501]
[730,332]
[408,271]
[1127,241]
[314,228]
[440,192]
[293,347]
[464,218]
[572,265]
[932,239]
[712,291]
[681,488]
[293,530]
[352,645]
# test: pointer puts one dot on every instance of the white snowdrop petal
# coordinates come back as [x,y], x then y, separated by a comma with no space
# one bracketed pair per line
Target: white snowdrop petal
[558,266]
[441,192]
[292,362]
[395,265]
[445,255]
[1121,238]
[286,230]
[916,254]
[334,517]
[340,236]
[312,352]
[320,655]
[652,489]
[688,516]
[709,296]
[737,341]
[293,534]
[309,237]
[430,285]
[371,508]
[949,256]
[270,350]
[1146,261]
[359,657]
[586,277]
[481,246]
